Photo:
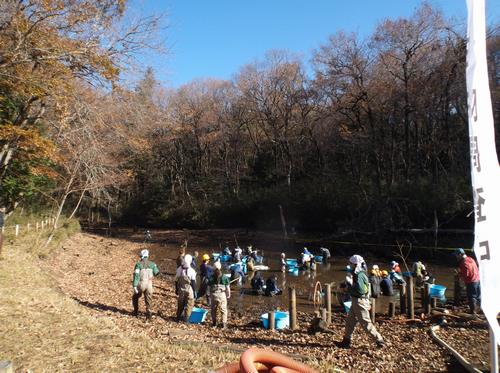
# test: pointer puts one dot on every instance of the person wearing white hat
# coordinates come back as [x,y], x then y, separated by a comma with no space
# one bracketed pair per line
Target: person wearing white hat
[185,288]
[360,307]
[144,272]
[219,292]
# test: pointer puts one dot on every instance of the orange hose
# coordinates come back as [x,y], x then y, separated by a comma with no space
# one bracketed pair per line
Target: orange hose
[253,355]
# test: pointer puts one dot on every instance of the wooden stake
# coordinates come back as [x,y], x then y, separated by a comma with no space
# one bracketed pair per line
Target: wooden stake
[433,303]
[328,303]
[17,230]
[324,314]
[402,299]
[392,309]
[293,308]
[426,302]
[409,299]
[271,320]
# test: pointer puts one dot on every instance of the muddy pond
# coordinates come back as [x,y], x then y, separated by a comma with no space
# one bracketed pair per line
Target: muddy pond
[165,246]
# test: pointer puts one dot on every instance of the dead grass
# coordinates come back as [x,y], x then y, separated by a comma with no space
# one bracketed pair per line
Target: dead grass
[45,331]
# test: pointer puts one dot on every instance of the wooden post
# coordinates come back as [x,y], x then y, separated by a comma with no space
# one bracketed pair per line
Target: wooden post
[409,295]
[373,309]
[433,302]
[36,226]
[392,309]
[328,303]
[42,224]
[422,297]
[293,308]
[426,301]
[457,291]
[402,299]
[324,314]
[271,320]
[17,230]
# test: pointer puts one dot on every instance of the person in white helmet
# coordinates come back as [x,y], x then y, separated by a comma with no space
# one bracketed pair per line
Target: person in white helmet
[144,272]
[360,307]
[185,288]
[219,292]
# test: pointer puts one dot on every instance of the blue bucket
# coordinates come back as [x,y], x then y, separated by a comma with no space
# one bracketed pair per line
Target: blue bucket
[291,262]
[225,258]
[197,315]
[293,270]
[281,320]
[437,291]
[347,306]
[318,258]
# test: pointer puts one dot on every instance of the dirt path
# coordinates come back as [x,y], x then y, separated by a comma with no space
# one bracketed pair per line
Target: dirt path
[96,272]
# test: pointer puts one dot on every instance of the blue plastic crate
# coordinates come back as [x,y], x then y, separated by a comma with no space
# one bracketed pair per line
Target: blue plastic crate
[293,270]
[197,315]
[437,291]
[281,320]
[291,262]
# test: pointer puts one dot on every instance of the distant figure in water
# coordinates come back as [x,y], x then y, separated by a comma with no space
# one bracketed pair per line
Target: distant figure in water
[283,262]
[325,253]
[258,284]
[147,237]
[272,286]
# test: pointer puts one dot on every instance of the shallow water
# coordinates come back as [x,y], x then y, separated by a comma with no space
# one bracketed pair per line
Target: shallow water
[332,272]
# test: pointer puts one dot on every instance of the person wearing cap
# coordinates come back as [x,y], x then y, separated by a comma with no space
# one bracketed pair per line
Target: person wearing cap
[360,307]
[238,253]
[469,272]
[205,272]
[220,292]
[325,254]
[142,282]
[395,267]
[386,285]
[185,288]
[375,278]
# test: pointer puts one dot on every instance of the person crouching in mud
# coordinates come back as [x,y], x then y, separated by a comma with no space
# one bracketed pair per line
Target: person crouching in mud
[360,307]
[144,272]
[185,285]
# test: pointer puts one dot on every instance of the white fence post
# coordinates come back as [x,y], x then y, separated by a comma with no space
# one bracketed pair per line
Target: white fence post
[28,227]
[17,230]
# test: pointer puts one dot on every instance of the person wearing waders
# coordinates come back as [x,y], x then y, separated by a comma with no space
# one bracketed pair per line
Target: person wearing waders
[360,307]
[185,285]
[144,272]
[220,292]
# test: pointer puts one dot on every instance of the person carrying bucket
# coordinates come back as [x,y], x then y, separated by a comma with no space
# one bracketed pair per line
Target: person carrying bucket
[220,292]
[185,285]
[360,307]
[144,272]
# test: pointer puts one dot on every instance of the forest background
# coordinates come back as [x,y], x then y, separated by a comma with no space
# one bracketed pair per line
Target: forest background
[374,139]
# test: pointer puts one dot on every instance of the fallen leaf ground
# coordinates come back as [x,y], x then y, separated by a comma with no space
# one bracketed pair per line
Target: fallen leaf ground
[96,272]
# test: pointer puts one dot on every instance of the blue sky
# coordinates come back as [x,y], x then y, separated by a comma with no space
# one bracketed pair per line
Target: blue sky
[214,38]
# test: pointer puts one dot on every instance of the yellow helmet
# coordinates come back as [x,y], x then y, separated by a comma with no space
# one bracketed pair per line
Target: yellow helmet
[385,273]
[205,257]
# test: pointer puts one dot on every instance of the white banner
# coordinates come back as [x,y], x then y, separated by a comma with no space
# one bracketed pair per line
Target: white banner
[484,165]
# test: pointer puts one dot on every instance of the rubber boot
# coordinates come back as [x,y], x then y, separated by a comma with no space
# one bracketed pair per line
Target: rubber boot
[346,343]
[149,316]
[224,325]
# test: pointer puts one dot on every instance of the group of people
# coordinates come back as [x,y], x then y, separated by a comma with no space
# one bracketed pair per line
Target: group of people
[359,284]
[360,288]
